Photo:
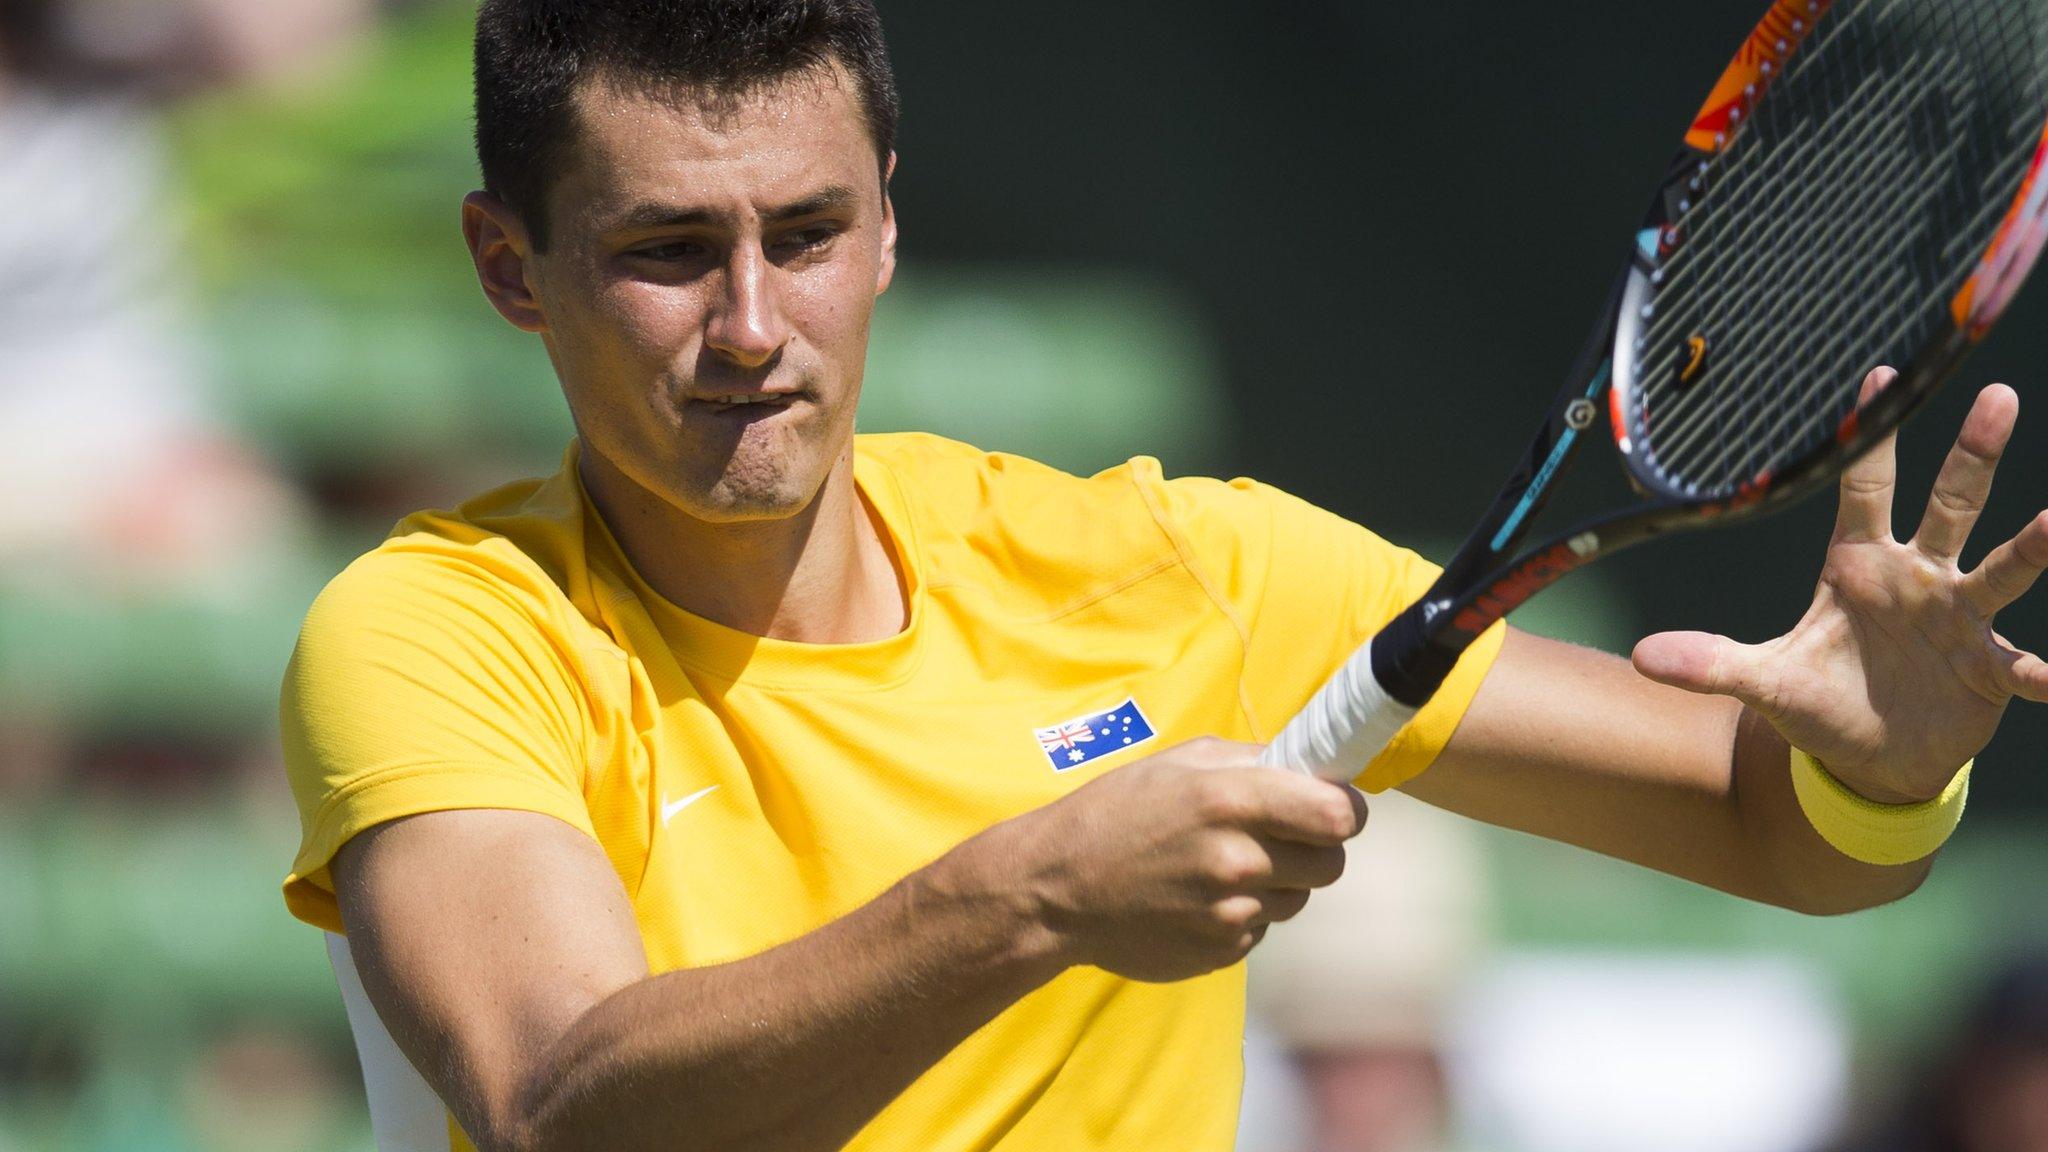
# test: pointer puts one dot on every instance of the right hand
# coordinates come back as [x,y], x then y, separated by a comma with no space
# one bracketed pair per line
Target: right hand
[1175,864]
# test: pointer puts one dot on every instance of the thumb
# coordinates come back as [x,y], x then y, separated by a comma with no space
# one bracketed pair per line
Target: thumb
[1701,662]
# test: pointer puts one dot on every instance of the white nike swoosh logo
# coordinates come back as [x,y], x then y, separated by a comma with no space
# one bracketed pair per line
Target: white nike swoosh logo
[669,810]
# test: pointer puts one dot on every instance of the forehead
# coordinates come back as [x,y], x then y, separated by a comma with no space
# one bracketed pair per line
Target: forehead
[770,144]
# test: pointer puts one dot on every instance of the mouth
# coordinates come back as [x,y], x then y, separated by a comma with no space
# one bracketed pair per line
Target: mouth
[747,407]
[749,399]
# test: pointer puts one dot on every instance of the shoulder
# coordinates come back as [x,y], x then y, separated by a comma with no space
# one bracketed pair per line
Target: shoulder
[500,577]
[959,483]
[986,517]
[994,517]
[528,535]
[446,668]
[519,548]
[449,644]
[954,477]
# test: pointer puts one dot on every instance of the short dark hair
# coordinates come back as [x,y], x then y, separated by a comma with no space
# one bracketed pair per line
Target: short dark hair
[531,55]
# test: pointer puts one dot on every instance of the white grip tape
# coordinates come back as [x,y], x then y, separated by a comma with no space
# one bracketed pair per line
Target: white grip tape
[1346,724]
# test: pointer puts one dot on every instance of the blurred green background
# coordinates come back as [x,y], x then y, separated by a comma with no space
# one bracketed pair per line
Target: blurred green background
[1281,246]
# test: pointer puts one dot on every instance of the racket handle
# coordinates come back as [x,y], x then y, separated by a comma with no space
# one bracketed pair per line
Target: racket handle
[1381,687]
[1344,725]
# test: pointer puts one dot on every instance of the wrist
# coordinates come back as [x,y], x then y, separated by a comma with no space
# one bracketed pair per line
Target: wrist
[1887,793]
[1872,831]
[990,877]
[1882,794]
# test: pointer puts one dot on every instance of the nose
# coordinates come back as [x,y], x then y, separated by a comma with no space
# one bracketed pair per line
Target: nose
[747,325]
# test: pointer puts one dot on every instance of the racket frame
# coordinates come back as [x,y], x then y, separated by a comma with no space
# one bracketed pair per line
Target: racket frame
[1488,578]
[1382,685]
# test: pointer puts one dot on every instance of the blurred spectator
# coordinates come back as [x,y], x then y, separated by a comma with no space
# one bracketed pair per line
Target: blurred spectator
[1357,986]
[120,484]
[113,461]
[1621,1052]
[171,46]
[1987,1090]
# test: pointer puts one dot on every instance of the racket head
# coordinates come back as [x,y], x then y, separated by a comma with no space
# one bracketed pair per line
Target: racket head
[1863,186]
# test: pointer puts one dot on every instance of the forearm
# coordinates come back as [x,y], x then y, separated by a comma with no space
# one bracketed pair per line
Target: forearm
[1575,745]
[1810,875]
[504,955]
[799,1046]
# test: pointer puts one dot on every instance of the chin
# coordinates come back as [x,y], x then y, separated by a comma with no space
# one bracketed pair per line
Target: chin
[725,504]
[766,490]
[772,470]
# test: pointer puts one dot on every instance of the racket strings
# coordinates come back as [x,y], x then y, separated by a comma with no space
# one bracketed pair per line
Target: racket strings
[1796,322]
[1710,218]
[1841,218]
[2014,80]
[1729,206]
[1701,222]
[1749,250]
[1787,252]
[1724,170]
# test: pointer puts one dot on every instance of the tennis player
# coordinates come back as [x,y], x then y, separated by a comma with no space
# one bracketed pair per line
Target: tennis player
[751,784]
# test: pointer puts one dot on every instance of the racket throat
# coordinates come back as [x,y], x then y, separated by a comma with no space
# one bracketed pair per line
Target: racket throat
[1416,651]
[1410,663]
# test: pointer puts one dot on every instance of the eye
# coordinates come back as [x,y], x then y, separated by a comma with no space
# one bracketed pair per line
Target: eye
[672,250]
[809,239]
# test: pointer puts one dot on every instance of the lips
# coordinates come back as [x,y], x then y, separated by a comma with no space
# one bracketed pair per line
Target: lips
[748,399]
[745,407]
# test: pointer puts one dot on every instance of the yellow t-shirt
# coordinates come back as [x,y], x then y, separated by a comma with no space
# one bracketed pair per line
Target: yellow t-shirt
[749,790]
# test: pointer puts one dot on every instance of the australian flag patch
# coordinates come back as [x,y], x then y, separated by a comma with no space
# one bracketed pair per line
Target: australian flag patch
[1086,738]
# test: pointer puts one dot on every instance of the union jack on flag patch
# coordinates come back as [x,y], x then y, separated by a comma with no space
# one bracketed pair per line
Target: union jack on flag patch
[1086,738]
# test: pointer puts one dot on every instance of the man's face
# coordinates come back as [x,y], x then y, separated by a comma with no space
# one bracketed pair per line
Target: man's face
[707,288]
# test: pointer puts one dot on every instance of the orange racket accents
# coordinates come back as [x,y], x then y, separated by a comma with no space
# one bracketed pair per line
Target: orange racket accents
[2011,255]
[1763,55]
[1696,347]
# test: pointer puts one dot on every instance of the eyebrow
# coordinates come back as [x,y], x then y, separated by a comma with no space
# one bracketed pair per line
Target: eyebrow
[654,214]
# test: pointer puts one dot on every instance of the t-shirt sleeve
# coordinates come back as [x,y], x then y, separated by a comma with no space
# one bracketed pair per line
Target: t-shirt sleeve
[1307,588]
[423,683]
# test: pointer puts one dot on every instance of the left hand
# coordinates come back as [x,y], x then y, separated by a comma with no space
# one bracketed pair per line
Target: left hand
[1895,676]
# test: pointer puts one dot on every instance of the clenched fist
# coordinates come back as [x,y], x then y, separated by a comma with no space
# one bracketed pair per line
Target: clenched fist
[1174,865]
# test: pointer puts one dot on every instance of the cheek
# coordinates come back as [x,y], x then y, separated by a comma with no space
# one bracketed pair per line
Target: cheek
[648,322]
[836,304]
[609,319]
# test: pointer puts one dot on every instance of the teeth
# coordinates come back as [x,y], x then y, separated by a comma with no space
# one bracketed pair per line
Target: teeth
[756,398]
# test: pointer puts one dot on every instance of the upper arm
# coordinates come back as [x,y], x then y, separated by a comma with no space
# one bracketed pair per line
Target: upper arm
[422,684]
[1574,745]
[481,936]
[436,724]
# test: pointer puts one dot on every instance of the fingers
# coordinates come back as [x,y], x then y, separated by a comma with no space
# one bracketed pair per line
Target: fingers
[1239,923]
[1232,788]
[1274,881]
[2028,678]
[1702,662]
[1213,752]
[1284,905]
[1290,806]
[1965,480]
[1303,865]
[1865,511]
[2011,568]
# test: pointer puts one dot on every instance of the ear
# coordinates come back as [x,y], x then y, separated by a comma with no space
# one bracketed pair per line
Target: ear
[503,255]
[888,270]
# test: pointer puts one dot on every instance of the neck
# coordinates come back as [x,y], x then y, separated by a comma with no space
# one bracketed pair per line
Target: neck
[821,576]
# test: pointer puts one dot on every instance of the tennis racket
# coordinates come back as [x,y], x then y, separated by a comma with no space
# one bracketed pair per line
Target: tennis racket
[1863,186]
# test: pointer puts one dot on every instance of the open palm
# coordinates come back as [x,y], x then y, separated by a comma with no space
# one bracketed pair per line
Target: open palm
[1895,675]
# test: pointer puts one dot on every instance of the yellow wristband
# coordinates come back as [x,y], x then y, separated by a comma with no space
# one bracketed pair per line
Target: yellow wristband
[1871,832]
